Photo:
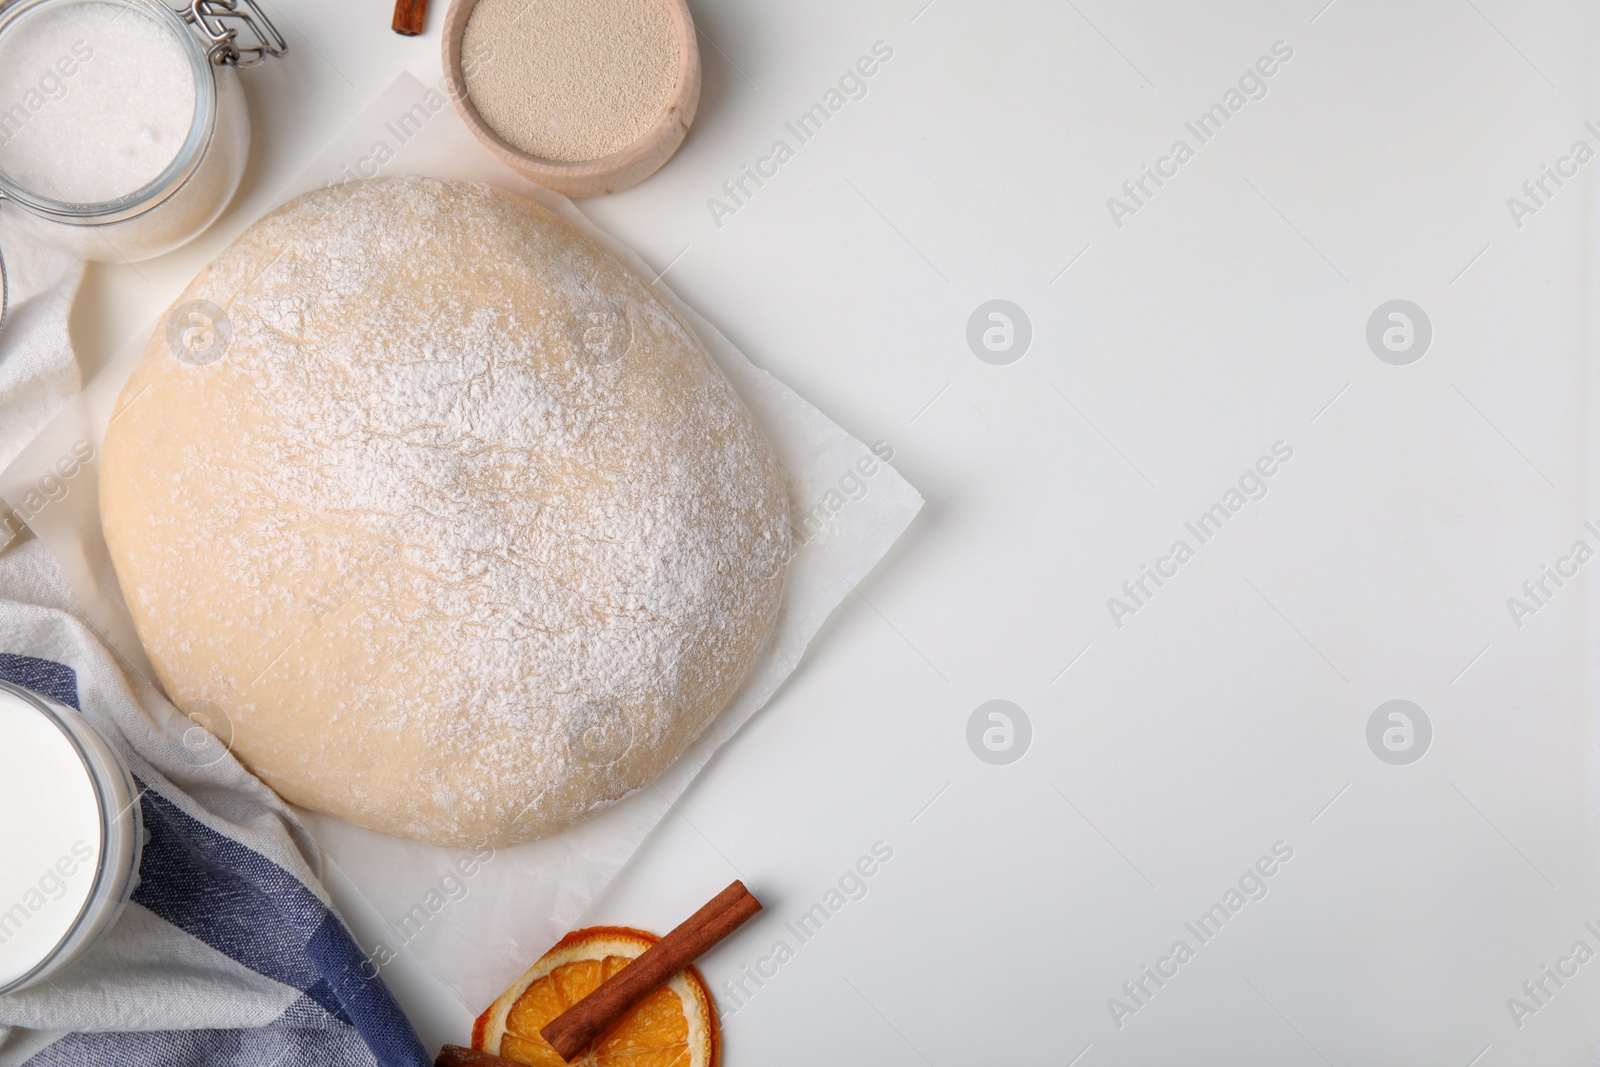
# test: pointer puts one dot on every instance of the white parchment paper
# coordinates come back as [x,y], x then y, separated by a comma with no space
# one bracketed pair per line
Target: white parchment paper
[477,920]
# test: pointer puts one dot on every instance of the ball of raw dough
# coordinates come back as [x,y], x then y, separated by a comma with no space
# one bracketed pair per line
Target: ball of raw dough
[445,510]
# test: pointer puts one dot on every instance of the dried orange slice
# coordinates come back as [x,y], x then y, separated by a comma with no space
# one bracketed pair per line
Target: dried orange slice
[675,1026]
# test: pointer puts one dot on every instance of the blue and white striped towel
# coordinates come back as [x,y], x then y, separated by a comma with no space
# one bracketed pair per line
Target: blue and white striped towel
[229,953]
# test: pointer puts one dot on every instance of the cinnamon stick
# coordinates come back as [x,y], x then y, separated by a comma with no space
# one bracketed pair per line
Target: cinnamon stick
[410,17]
[456,1056]
[574,1029]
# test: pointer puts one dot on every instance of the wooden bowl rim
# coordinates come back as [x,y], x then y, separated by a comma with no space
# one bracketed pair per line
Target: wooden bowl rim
[675,118]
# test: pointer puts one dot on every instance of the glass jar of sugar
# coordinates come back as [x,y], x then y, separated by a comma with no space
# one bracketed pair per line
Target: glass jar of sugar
[70,832]
[123,129]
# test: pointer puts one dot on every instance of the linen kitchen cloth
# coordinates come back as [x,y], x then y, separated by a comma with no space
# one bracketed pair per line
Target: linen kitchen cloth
[38,373]
[229,953]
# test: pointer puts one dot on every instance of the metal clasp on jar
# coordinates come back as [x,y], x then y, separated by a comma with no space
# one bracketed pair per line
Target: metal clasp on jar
[221,21]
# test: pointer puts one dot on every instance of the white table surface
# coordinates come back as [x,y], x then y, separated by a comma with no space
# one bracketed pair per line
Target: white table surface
[1230,712]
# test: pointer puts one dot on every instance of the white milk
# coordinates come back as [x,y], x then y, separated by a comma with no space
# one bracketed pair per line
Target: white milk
[96,99]
[50,827]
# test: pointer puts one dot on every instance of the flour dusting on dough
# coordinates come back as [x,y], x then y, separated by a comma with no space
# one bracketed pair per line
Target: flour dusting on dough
[465,531]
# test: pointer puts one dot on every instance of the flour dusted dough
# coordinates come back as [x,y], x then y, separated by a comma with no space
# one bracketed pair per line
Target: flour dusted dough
[463,532]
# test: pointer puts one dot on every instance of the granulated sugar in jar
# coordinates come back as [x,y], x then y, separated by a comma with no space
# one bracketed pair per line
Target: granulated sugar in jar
[571,80]
[123,129]
[101,98]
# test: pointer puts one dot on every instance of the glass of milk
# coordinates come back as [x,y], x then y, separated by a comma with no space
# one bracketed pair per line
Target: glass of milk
[70,835]
[123,129]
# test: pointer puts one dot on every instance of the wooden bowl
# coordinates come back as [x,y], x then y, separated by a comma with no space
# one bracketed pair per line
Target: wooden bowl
[593,177]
